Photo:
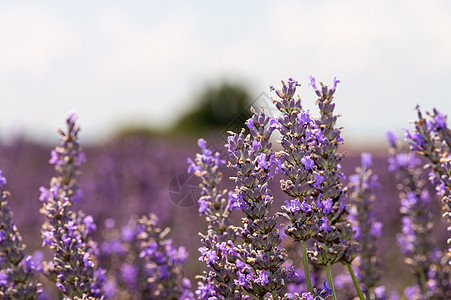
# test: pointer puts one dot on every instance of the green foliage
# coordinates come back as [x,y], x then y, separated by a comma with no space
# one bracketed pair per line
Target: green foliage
[219,107]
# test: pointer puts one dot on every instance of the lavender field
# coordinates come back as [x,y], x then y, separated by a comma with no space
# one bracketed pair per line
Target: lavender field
[249,217]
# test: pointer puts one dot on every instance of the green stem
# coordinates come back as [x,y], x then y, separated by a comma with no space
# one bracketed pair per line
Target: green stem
[306,267]
[331,281]
[356,283]
[423,282]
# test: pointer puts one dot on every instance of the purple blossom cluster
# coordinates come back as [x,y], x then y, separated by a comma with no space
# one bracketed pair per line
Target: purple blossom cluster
[78,268]
[424,258]
[217,249]
[369,231]
[18,274]
[260,258]
[311,164]
[431,138]
[74,267]
[142,261]
[325,221]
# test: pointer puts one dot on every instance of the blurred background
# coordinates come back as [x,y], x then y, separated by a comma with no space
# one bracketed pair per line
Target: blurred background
[144,63]
[148,78]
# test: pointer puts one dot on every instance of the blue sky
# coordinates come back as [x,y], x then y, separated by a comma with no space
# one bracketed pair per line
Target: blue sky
[143,61]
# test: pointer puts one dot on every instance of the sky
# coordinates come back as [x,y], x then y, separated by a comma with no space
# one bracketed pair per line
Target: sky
[143,62]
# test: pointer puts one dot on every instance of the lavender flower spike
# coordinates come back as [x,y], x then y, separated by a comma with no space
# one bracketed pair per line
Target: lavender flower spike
[217,245]
[426,261]
[260,269]
[312,168]
[362,185]
[67,232]
[432,139]
[17,271]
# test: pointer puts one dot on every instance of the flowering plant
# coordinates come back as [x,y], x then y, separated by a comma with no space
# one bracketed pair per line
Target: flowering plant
[289,235]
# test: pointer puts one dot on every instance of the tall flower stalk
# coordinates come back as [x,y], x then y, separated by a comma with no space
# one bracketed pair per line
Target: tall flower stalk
[369,231]
[431,138]
[218,243]
[311,164]
[432,275]
[142,261]
[66,232]
[17,270]
[260,258]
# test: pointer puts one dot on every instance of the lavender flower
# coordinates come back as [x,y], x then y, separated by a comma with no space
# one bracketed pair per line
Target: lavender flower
[362,185]
[251,159]
[142,262]
[432,139]
[312,166]
[217,250]
[163,262]
[432,275]
[67,232]
[17,270]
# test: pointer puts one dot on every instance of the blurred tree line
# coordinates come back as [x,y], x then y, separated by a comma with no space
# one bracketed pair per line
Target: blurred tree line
[218,108]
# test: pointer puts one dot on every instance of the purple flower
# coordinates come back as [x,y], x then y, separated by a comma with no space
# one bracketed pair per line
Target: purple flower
[149,250]
[312,82]
[208,255]
[307,162]
[354,179]
[54,158]
[44,194]
[336,82]
[48,238]
[304,118]
[61,287]
[87,260]
[324,224]
[320,137]
[250,123]
[81,159]
[263,278]
[292,205]
[2,179]
[305,207]
[109,223]
[66,240]
[262,162]
[3,279]
[318,179]
[367,160]
[54,190]
[127,233]
[440,121]
[391,137]
[89,223]
[278,165]
[307,296]
[204,291]
[376,229]
[192,167]
[327,206]
[203,206]
[202,144]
